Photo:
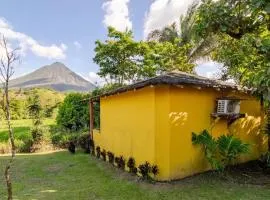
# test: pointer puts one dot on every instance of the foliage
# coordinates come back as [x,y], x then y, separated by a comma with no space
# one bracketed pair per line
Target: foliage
[199,47]
[73,113]
[71,147]
[98,152]
[132,165]
[166,57]
[103,154]
[110,157]
[117,56]
[230,148]
[49,100]
[22,133]
[61,138]
[84,142]
[35,111]
[245,39]
[120,162]
[244,42]
[121,59]
[167,34]
[155,170]
[222,151]
[145,170]
[37,133]
[210,147]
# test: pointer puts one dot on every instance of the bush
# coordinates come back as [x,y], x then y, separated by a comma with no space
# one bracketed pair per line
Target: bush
[110,157]
[120,162]
[155,170]
[230,148]
[71,147]
[103,154]
[145,170]
[222,151]
[98,152]
[22,146]
[37,133]
[25,147]
[84,142]
[73,113]
[131,165]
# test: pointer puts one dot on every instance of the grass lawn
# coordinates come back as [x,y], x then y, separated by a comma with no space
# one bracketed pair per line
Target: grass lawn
[64,176]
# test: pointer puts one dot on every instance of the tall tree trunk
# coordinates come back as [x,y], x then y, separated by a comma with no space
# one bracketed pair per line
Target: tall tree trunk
[13,149]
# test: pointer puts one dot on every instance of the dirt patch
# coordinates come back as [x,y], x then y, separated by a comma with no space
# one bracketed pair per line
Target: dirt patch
[249,173]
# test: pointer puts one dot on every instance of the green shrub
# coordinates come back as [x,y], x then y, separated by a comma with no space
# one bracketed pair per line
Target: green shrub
[25,146]
[222,151]
[131,165]
[120,162]
[103,154]
[37,133]
[110,157]
[73,113]
[155,170]
[210,147]
[84,142]
[230,148]
[145,170]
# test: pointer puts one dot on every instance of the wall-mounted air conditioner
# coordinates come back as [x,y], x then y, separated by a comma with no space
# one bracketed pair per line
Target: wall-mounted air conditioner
[228,106]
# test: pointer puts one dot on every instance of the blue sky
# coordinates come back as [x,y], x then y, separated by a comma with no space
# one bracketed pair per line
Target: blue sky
[66,30]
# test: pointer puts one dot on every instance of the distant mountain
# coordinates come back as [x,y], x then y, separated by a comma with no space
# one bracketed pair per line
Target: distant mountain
[56,76]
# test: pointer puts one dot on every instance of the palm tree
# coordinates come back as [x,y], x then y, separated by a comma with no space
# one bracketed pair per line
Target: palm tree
[201,47]
[167,34]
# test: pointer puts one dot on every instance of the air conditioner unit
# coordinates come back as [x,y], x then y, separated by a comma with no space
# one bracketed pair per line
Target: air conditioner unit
[228,106]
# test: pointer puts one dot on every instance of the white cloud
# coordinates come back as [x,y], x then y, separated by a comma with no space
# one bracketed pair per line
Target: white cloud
[164,12]
[77,45]
[93,77]
[117,14]
[28,43]
[209,69]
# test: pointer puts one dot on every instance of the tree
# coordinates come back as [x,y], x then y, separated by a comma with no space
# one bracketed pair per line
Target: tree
[167,57]
[118,56]
[124,60]
[35,112]
[7,61]
[198,46]
[244,45]
[73,113]
[167,34]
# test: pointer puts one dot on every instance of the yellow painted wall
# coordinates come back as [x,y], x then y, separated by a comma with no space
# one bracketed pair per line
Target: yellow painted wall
[154,124]
[128,125]
[190,112]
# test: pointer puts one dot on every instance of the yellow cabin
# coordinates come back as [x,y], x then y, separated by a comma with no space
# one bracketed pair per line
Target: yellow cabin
[153,121]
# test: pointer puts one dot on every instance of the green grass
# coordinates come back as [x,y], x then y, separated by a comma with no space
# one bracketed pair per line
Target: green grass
[65,176]
[21,129]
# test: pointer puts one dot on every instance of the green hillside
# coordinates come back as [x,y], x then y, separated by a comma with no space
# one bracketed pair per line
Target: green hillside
[49,99]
